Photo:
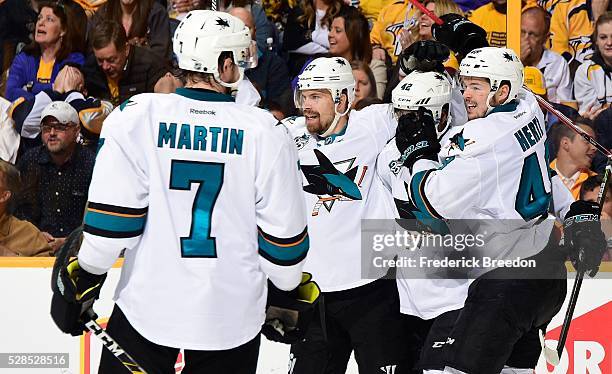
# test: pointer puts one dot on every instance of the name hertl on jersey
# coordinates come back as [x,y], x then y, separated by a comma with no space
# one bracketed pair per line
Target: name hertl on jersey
[495,168]
[341,187]
[205,196]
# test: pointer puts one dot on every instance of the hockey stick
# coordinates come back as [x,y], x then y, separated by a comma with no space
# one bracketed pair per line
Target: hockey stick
[427,12]
[603,190]
[110,343]
[568,122]
[549,353]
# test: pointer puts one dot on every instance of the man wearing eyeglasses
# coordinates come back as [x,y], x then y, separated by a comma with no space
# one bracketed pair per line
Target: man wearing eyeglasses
[56,175]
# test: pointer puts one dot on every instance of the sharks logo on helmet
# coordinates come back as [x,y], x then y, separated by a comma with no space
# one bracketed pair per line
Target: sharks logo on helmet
[222,23]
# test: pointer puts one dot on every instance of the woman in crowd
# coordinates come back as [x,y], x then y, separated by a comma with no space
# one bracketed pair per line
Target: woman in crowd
[349,37]
[36,67]
[307,29]
[593,82]
[365,86]
[146,23]
[422,30]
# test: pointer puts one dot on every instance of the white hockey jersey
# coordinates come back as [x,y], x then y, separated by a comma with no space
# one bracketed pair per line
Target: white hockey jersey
[341,187]
[593,84]
[495,169]
[421,297]
[205,195]
[557,76]
[428,298]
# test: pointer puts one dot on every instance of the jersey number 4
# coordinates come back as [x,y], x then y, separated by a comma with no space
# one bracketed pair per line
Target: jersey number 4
[209,176]
[532,200]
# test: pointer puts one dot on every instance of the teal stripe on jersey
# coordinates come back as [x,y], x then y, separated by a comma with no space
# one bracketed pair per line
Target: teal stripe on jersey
[114,223]
[425,212]
[284,252]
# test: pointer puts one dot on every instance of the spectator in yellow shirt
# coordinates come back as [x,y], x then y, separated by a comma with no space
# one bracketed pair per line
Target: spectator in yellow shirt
[371,8]
[492,18]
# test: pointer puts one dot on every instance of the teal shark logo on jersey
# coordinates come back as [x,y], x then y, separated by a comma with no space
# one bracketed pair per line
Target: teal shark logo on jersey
[459,142]
[331,184]
[126,103]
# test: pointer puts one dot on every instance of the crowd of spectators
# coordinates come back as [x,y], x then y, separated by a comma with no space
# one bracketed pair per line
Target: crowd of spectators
[66,64]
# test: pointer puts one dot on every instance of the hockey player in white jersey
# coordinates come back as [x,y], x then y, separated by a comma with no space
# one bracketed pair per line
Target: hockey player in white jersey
[205,196]
[495,168]
[338,149]
[421,299]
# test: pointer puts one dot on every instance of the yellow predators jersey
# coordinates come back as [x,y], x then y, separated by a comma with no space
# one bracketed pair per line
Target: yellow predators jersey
[391,21]
[493,22]
[571,30]
[371,8]
[90,6]
[548,5]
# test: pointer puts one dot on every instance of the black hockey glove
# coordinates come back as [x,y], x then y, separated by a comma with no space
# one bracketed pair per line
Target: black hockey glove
[424,55]
[416,137]
[74,289]
[459,34]
[289,313]
[584,241]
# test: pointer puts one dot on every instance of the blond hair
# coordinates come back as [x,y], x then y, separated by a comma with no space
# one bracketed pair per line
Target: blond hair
[442,7]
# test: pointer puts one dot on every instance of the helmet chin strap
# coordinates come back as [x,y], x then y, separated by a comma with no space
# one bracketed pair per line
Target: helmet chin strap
[337,117]
[490,96]
[449,119]
[489,107]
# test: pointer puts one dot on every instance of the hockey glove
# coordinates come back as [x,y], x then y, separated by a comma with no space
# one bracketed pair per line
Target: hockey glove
[584,241]
[289,313]
[459,34]
[74,289]
[424,55]
[416,137]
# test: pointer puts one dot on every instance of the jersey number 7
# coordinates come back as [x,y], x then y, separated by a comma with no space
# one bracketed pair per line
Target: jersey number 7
[209,175]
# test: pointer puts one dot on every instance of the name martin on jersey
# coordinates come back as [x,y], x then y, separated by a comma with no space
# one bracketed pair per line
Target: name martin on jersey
[200,138]
[329,183]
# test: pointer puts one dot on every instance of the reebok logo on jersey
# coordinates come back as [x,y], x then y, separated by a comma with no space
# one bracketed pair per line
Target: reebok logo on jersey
[202,111]
[520,115]
[389,369]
